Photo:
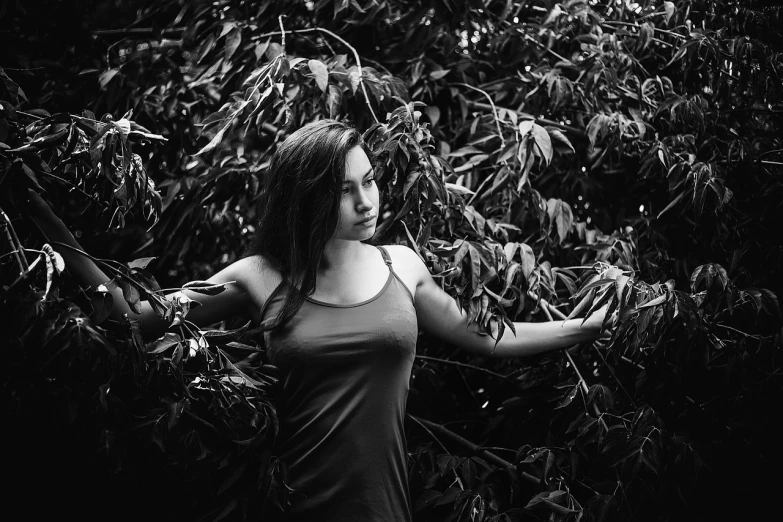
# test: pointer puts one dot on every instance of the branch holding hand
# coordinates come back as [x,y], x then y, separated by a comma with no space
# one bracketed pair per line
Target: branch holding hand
[87,271]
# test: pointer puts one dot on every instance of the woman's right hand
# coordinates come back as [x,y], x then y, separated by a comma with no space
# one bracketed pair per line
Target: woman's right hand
[236,298]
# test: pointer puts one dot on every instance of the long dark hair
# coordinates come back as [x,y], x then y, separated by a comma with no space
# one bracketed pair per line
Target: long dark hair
[300,205]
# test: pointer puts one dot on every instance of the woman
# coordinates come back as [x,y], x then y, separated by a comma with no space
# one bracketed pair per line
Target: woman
[341,319]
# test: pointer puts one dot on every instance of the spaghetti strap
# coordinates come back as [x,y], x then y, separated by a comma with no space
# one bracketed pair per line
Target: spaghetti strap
[269,299]
[387,259]
[385,255]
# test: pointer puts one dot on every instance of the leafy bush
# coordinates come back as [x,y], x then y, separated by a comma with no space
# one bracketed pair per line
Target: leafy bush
[543,158]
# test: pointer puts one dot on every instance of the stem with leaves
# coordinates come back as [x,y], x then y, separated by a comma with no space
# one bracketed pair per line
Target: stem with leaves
[346,44]
[16,246]
[494,109]
[473,448]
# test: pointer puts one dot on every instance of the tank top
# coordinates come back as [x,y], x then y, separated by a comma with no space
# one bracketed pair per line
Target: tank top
[345,372]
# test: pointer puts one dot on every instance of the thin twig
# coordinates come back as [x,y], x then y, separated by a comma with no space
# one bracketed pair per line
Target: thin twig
[456,363]
[73,187]
[480,188]
[28,271]
[582,382]
[474,448]
[611,371]
[497,448]
[282,32]
[586,390]
[30,115]
[349,46]
[664,31]
[544,47]
[15,246]
[420,423]
[540,121]
[494,110]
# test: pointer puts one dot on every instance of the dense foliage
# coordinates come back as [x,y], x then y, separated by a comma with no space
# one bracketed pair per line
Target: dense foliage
[543,158]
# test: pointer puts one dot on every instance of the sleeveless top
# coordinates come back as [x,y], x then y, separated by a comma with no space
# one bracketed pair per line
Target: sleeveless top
[345,378]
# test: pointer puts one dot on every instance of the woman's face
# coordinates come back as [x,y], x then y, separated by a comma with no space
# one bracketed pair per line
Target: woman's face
[359,200]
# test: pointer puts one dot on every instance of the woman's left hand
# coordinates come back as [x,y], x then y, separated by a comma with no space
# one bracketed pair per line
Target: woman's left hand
[596,321]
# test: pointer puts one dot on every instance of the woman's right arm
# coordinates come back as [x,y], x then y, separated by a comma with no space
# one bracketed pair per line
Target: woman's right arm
[214,308]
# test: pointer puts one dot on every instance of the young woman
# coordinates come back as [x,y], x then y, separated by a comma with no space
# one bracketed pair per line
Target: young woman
[341,319]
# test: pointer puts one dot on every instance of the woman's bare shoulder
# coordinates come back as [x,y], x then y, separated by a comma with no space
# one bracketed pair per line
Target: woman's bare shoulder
[403,254]
[256,274]
[407,264]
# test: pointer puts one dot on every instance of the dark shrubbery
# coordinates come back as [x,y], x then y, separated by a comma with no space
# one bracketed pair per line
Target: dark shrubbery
[542,157]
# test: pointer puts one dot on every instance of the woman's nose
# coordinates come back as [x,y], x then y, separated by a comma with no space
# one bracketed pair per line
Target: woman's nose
[363,204]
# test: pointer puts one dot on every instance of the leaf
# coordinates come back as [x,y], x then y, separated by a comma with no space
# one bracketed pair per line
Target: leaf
[175,412]
[525,127]
[57,260]
[599,303]
[433,113]
[449,496]
[459,189]
[669,8]
[123,126]
[472,162]
[565,401]
[205,287]
[141,262]
[214,142]
[227,335]
[437,75]
[356,79]
[163,343]
[464,151]
[102,304]
[561,216]
[334,101]
[543,141]
[769,302]
[528,259]
[131,295]
[653,302]
[553,14]
[558,137]
[595,284]
[582,305]
[233,477]
[671,205]
[224,511]
[596,127]
[321,73]
[273,51]
[426,499]
[106,77]
[233,40]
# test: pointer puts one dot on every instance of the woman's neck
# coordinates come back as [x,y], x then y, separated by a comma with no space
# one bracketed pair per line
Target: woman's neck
[341,255]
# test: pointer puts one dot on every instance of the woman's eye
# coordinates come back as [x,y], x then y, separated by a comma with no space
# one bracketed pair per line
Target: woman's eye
[369,181]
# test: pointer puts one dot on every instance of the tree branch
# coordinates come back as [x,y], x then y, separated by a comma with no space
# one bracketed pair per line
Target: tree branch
[465,365]
[473,448]
[540,121]
[341,40]
[15,245]
[494,110]
[141,32]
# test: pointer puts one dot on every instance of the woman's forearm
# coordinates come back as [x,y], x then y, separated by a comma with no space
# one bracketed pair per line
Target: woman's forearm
[536,338]
[83,269]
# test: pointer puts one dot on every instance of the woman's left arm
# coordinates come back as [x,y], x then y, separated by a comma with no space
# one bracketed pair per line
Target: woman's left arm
[439,315]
